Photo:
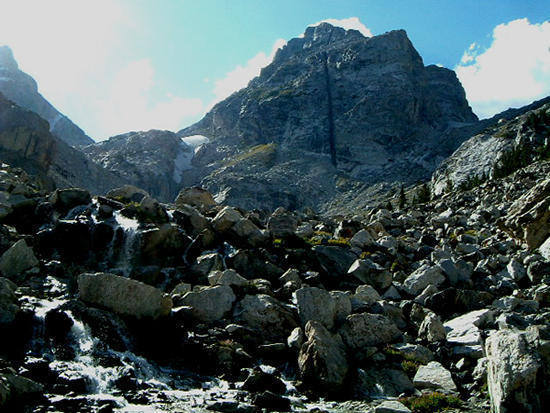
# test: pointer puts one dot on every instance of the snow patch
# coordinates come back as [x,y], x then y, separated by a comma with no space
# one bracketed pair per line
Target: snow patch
[195,140]
[182,162]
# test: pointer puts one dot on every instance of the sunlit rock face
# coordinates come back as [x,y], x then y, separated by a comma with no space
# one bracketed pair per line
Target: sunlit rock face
[154,160]
[23,90]
[332,102]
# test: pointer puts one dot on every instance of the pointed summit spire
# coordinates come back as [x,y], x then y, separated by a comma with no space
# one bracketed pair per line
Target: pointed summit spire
[7,60]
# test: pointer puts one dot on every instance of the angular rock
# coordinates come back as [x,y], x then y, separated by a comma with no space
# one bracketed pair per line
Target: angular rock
[434,376]
[421,278]
[512,368]
[334,260]
[282,224]
[362,239]
[464,331]
[9,306]
[17,259]
[266,314]
[364,330]
[227,277]
[123,296]
[210,304]
[196,197]
[322,359]
[432,328]
[371,273]
[315,304]
[225,219]
[377,383]
[127,194]
[391,406]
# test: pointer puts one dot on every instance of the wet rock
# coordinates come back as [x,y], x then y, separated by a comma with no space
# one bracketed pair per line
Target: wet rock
[66,199]
[123,296]
[163,245]
[16,260]
[150,210]
[127,194]
[376,383]
[266,314]
[364,330]
[371,273]
[196,197]
[258,381]
[9,306]
[322,359]
[58,324]
[315,304]
[421,278]
[210,304]
[15,389]
[434,376]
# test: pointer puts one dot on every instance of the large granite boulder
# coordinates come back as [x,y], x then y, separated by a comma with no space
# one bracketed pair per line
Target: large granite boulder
[365,330]
[210,304]
[16,260]
[123,296]
[322,359]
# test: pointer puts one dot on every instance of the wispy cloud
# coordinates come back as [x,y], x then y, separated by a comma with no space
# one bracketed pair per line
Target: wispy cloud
[239,77]
[514,70]
[128,104]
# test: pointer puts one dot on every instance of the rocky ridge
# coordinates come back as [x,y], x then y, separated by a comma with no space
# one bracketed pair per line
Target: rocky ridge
[22,89]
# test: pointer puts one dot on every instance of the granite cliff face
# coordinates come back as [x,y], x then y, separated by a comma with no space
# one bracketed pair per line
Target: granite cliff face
[153,160]
[22,89]
[508,141]
[332,107]
[26,142]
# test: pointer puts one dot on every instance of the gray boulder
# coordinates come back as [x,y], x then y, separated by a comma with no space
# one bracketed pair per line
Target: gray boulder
[210,304]
[16,260]
[364,330]
[371,273]
[123,296]
[266,314]
[315,304]
[434,376]
[322,359]
[9,306]
[421,278]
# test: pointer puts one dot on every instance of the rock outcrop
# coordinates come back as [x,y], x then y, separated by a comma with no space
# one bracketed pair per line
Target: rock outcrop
[23,90]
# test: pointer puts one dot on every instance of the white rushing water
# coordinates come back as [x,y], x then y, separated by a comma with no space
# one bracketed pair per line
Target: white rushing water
[130,227]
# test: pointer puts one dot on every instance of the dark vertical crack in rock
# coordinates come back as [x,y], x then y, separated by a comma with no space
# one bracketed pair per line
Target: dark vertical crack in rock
[330,115]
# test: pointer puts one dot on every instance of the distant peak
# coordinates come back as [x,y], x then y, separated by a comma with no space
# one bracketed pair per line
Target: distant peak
[6,58]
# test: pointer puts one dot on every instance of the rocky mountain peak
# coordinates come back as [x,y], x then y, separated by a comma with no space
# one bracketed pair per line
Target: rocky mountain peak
[7,61]
[333,106]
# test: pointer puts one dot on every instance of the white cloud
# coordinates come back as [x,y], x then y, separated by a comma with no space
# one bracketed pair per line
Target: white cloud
[513,71]
[128,104]
[349,23]
[239,77]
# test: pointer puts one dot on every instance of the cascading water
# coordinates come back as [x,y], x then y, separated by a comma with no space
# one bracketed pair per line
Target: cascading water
[126,252]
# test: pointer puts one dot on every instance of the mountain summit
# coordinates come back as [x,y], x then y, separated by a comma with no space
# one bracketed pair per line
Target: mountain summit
[333,109]
[22,89]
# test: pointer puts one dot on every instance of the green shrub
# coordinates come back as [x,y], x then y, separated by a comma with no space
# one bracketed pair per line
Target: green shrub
[410,367]
[431,402]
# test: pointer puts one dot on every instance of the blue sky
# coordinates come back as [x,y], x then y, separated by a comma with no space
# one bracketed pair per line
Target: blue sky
[114,66]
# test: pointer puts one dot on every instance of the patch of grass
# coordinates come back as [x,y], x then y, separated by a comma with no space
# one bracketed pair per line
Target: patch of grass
[365,254]
[431,402]
[341,242]
[410,367]
[264,153]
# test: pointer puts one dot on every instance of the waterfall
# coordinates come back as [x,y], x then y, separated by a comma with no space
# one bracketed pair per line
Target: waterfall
[126,252]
